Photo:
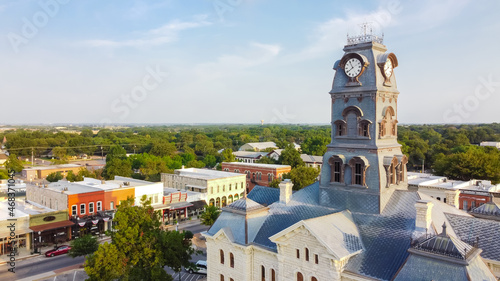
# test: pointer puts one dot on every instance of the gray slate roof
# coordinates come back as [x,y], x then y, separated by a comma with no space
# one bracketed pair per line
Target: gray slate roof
[385,237]
[488,232]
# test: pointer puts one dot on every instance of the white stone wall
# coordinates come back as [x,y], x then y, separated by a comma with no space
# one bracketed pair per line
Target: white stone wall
[56,200]
[242,260]
[153,191]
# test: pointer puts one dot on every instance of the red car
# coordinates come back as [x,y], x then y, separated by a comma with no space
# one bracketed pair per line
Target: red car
[63,249]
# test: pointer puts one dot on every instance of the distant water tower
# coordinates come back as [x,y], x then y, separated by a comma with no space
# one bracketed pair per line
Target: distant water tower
[262,122]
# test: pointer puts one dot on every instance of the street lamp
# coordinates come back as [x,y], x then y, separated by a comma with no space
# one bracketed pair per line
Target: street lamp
[39,241]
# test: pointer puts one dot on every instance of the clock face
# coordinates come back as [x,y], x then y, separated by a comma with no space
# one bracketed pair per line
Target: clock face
[353,67]
[388,68]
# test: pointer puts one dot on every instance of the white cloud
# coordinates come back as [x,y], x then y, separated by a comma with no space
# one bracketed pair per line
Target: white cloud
[158,36]
[225,65]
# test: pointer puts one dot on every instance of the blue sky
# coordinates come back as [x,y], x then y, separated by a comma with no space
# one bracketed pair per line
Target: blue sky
[237,61]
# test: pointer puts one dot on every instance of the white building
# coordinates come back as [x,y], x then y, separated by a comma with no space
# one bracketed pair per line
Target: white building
[257,146]
[248,156]
[490,143]
[221,188]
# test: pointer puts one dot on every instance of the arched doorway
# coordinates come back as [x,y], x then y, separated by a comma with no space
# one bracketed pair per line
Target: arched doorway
[217,202]
[224,201]
[212,202]
[230,199]
[236,197]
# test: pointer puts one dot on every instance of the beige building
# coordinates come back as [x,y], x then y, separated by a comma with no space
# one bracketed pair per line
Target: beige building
[43,172]
[221,188]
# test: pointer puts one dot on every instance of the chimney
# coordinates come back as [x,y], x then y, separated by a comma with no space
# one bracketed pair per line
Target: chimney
[424,211]
[103,182]
[285,191]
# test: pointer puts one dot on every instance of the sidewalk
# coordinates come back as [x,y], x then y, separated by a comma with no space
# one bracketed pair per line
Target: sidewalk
[26,254]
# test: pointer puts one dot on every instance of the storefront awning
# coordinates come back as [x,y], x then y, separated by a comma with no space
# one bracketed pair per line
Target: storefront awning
[50,226]
[200,204]
[180,205]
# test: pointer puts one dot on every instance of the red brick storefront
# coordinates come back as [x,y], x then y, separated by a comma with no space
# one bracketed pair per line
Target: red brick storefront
[470,199]
[257,174]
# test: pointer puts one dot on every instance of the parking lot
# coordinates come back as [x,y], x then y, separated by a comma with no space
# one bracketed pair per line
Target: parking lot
[186,276]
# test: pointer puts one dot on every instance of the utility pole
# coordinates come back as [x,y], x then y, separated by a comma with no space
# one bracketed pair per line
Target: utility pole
[32,162]
[423,166]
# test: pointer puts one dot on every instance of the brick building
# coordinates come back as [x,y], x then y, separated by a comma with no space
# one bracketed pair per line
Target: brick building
[257,174]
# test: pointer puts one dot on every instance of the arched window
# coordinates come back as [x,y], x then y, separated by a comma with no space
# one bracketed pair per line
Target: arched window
[231,260]
[444,200]
[248,174]
[224,202]
[300,277]
[221,277]
[221,256]
[273,275]
[364,128]
[269,177]
[314,279]
[391,165]
[388,125]
[401,168]
[337,168]
[340,128]
[230,199]
[465,206]
[217,202]
[236,197]
[358,165]
[229,187]
[263,273]
[307,254]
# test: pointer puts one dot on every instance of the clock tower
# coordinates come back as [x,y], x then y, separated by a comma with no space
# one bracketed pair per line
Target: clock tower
[364,163]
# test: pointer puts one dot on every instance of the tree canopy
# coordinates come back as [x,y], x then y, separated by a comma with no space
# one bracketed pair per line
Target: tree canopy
[140,248]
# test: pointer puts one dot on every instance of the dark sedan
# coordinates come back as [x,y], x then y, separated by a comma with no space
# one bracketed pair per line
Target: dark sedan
[58,251]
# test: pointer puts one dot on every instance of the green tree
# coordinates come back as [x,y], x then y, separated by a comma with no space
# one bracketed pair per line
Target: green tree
[106,264]
[290,156]
[210,161]
[227,155]
[303,176]
[140,249]
[71,176]
[315,145]
[53,177]
[83,246]
[60,152]
[117,167]
[209,215]
[275,183]
[116,152]
[14,164]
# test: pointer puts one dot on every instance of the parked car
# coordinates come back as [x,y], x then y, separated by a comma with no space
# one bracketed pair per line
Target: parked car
[63,249]
[201,267]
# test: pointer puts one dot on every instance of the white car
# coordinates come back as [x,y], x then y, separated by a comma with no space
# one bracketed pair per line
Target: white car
[201,267]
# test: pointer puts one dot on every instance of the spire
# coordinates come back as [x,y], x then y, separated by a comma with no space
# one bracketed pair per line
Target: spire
[443,233]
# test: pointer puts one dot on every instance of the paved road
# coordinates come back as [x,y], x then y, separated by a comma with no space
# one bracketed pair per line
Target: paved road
[38,265]
[41,264]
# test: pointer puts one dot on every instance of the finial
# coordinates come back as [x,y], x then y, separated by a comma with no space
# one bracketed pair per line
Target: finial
[443,233]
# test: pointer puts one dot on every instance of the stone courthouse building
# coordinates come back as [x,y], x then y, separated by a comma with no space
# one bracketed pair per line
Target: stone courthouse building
[360,221]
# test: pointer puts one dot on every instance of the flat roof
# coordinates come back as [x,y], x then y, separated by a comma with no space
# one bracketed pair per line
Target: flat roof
[51,167]
[205,174]
[22,209]
[72,188]
[259,165]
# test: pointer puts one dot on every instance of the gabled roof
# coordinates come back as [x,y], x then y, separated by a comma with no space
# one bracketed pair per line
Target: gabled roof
[488,209]
[336,232]
[244,205]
